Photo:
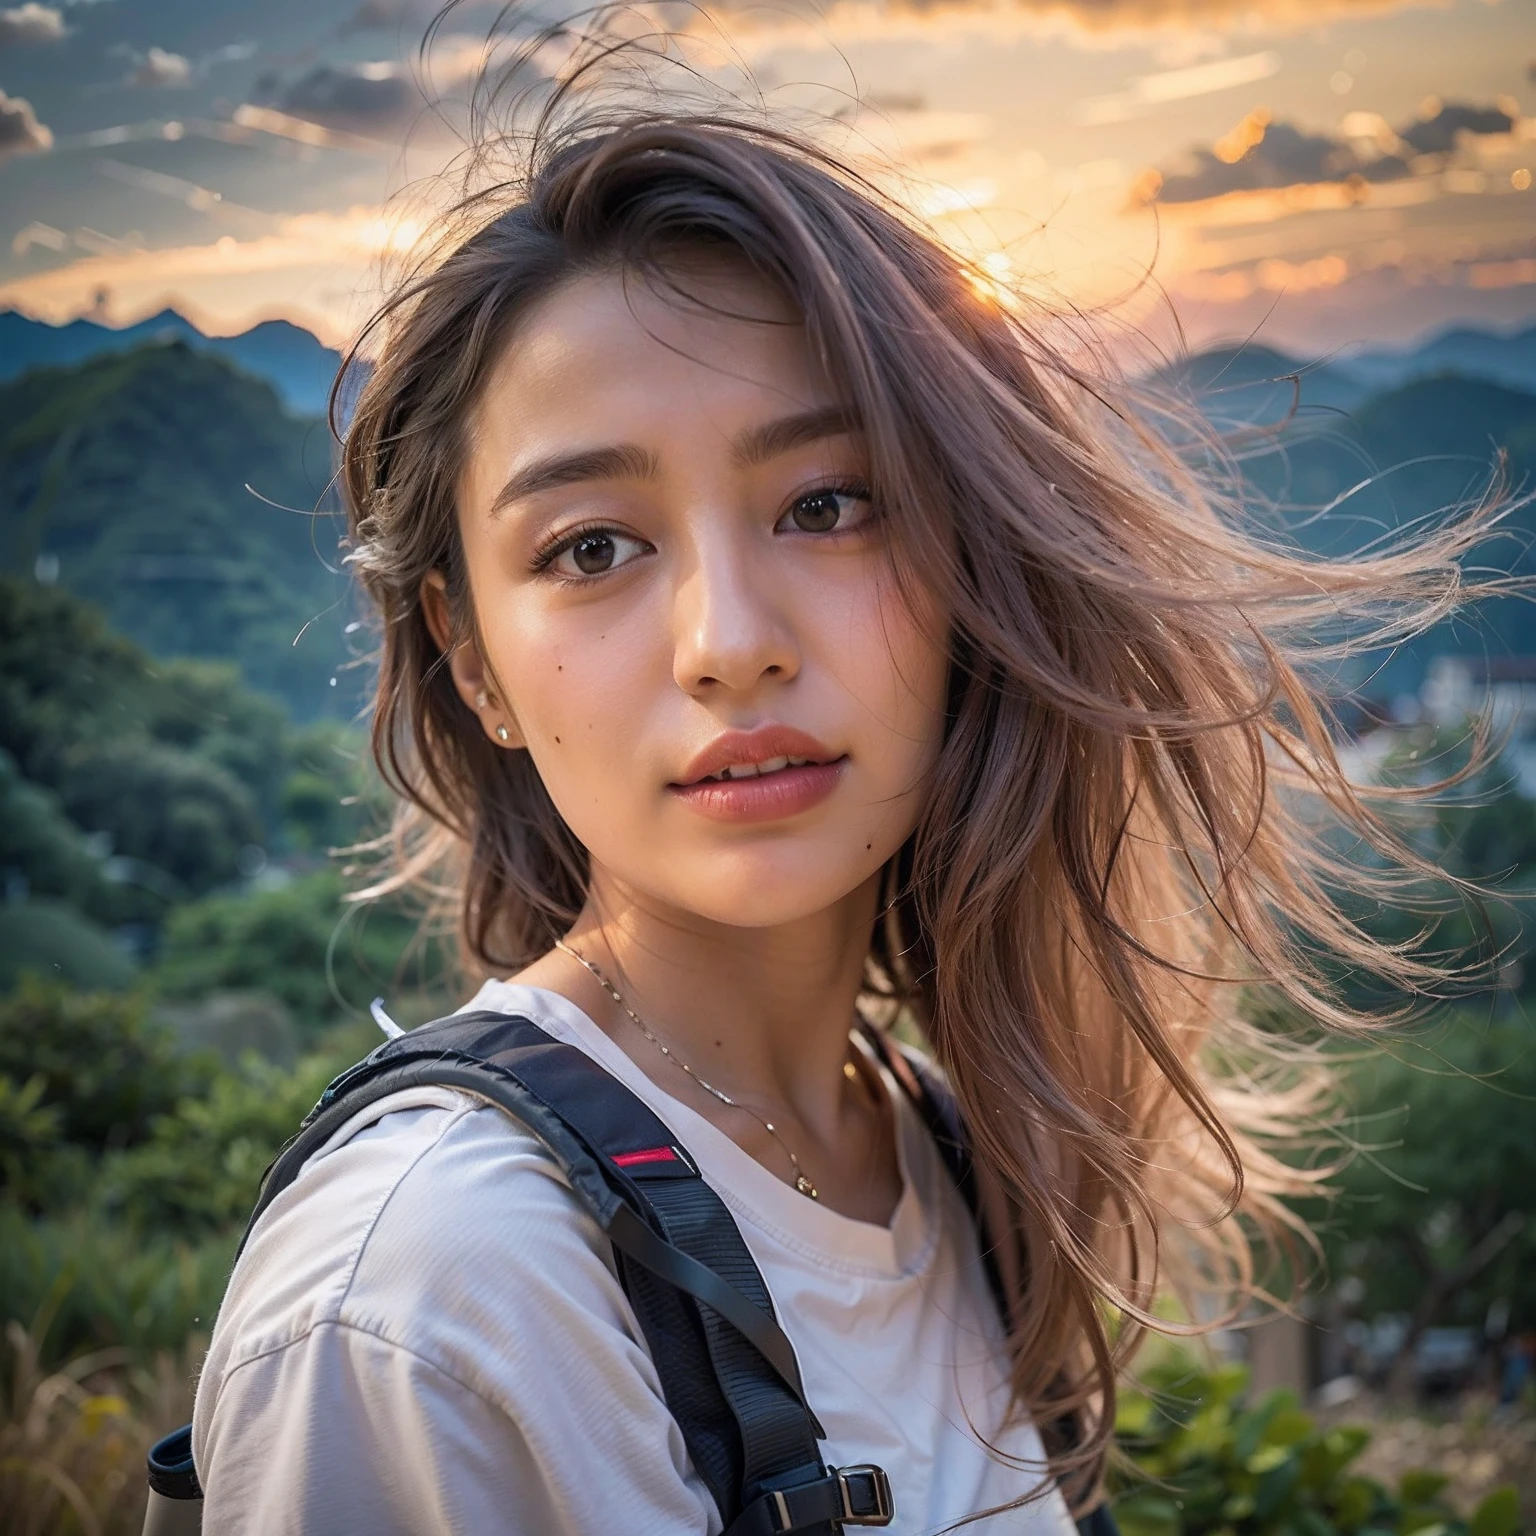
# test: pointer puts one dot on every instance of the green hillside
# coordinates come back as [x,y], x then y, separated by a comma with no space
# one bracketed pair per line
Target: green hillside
[124,478]
[1341,479]
[140,797]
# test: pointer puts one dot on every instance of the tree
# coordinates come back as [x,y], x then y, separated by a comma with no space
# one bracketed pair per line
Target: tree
[180,770]
[105,1071]
[1437,1213]
[301,943]
[40,848]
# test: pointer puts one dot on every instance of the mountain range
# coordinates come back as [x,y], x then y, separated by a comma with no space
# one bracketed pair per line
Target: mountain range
[180,482]
[175,493]
[288,357]
[1237,379]
[1252,383]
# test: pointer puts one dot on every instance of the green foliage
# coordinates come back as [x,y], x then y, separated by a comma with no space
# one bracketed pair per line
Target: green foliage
[50,940]
[65,678]
[203,708]
[106,1071]
[173,766]
[29,1139]
[146,1165]
[1497,1515]
[1197,1459]
[1449,1160]
[1480,831]
[180,815]
[199,1171]
[131,470]
[182,777]
[108,1284]
[300,942]
[40,846]
[329,800]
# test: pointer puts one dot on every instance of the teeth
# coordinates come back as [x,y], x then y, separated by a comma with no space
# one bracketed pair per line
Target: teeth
[754,770]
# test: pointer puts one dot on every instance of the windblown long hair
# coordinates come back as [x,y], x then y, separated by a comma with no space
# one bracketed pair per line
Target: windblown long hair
[1138,808]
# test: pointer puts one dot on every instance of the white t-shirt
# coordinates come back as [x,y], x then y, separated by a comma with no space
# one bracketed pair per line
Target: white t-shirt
[425,1335]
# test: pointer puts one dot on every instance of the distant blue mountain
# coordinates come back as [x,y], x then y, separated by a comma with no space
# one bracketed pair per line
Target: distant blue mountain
[1254,384]
[288,357]
[1250,382]
[1508,359]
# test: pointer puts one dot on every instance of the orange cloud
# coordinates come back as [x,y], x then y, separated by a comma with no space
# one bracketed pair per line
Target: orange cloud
[1263,155]
[1090,20]
[326,267]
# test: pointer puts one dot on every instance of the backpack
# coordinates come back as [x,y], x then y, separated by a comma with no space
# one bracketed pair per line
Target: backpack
[727,1370]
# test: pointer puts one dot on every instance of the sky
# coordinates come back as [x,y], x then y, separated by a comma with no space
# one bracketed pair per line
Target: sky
[1319,174]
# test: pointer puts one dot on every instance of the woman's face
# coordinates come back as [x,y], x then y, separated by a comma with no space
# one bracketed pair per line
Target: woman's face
[677,574]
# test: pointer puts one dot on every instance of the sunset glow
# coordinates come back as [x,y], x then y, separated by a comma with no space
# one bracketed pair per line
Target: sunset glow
[1294,164]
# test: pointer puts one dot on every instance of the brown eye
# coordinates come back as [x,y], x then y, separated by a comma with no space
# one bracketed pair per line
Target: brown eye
[593,553]
[824,511]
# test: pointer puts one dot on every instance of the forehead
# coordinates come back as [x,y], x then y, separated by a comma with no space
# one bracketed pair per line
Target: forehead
[619,354]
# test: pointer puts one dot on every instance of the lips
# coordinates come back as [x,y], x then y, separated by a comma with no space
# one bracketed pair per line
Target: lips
[733,756]
[763,775]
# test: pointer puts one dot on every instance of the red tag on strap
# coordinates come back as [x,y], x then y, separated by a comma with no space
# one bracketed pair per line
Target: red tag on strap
[649,1155]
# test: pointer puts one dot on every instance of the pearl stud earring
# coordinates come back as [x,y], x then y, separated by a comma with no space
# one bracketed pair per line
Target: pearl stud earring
[503,734]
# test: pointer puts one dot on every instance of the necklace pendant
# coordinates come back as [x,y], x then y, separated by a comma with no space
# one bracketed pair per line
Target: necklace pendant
[805,1187]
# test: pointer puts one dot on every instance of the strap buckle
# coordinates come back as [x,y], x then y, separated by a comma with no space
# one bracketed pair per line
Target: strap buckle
[866,1494]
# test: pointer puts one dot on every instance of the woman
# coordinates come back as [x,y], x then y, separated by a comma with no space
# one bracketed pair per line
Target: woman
[773,627]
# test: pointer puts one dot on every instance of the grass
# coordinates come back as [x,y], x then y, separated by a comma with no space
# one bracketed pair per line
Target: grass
[73,1439]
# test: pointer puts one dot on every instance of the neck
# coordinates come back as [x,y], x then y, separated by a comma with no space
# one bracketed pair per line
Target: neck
[762,1013]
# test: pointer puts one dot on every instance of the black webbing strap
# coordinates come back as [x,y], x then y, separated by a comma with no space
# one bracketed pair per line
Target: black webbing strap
[783,1432]
[845,1496]
[930,1095]
[727,1370]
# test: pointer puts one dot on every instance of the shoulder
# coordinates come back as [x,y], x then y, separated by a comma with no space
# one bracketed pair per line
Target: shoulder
[435,1224]
[425,1333]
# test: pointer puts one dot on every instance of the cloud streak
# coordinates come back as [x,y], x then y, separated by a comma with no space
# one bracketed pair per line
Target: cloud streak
[1113,15]
[1111,22]
[20,131]
[160,67]
[1264,155]
[1147,91]
[31,23]
[325,265]
[372,100]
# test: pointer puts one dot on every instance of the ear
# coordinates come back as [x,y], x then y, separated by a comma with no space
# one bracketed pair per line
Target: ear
[471,677]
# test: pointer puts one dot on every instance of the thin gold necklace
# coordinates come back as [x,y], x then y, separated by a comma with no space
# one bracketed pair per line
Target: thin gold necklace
[802,1183]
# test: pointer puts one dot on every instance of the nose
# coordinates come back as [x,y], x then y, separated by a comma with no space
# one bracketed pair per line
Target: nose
[732,630]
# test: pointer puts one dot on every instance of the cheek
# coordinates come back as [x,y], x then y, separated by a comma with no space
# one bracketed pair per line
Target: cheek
[892,662]
[579,688]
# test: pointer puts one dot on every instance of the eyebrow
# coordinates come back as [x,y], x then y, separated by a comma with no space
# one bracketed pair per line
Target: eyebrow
[760,444]
[628,461]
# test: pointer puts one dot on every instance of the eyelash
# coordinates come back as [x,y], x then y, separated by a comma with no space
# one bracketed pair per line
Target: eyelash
[552,548]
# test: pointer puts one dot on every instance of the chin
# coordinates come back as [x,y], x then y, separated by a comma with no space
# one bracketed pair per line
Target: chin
[770,890]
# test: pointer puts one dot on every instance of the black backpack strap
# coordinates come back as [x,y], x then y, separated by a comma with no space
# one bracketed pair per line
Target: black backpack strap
[727,1369]
[930,1095]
